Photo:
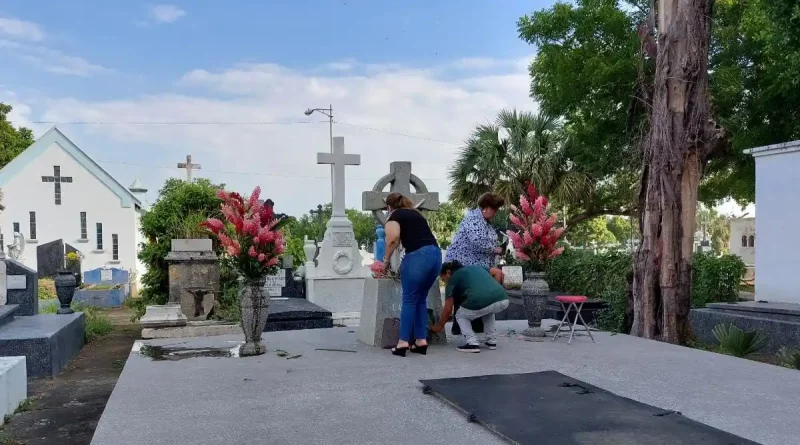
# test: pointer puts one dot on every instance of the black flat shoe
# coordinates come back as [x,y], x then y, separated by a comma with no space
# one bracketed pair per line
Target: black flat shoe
[422,350]
[400,352]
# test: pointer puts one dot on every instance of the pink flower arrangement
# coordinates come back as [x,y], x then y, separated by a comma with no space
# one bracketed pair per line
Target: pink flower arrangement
[377,269]
[249,234]
[535,234]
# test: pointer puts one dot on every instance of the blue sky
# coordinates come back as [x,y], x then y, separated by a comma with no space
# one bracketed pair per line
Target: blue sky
[430,70]
[408,81]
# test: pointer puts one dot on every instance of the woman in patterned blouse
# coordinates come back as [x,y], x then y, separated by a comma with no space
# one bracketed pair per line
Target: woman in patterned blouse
[475,241]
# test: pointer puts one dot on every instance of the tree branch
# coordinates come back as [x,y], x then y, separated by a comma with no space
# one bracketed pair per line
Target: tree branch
[593,214]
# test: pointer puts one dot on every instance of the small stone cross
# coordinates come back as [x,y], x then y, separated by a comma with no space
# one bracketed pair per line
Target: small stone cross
[189,167]
[338,159]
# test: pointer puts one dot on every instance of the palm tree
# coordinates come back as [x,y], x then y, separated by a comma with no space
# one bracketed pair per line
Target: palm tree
[533,149]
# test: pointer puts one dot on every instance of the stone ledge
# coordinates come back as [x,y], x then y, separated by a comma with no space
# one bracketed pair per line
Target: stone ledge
[13,385]
[192,330]
[779,332]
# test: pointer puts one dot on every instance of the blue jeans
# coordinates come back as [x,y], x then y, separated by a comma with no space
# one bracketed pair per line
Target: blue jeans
[418,271]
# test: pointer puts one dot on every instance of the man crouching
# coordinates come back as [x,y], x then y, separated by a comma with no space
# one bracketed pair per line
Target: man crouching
[477,293]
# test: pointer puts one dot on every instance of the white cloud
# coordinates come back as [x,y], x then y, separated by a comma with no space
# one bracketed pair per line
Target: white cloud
[166,13]
[429,102]
[20,29]
[52,60]
[21,36]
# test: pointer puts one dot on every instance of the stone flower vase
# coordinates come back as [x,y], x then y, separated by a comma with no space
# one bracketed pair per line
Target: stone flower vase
[535,292]
[254,304]
[65,289]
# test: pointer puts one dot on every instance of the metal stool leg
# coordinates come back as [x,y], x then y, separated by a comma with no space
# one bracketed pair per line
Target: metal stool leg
[583,322]
[566,313]
[578,310]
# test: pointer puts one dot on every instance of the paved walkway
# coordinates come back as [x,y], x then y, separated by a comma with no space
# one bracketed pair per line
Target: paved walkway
[371,397]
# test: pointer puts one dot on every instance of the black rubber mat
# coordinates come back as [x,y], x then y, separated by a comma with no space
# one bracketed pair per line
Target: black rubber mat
[549,408]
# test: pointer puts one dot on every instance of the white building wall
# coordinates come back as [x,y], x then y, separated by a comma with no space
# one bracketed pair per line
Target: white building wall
[743,227]
[26,193]
[778,242]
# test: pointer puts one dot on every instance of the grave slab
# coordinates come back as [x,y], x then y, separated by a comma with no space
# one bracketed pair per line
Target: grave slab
[331,395]
[48,341]
[289,314]
[13,385]
[568,411]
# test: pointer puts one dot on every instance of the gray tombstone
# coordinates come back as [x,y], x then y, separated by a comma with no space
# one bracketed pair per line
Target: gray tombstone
[400,180]
[23,287]
[50,258]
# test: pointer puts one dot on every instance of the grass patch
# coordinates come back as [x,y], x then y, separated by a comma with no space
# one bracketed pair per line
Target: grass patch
[25,405]
[47,289]
[97,322]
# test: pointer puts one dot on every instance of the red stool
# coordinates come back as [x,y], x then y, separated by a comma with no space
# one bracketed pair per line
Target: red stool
[576,302]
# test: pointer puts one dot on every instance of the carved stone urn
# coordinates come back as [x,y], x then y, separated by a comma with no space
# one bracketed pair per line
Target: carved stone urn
[535,292]
[65,289]
[254,304]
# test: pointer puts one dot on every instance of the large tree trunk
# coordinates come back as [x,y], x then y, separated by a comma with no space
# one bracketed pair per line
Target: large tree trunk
[680,138]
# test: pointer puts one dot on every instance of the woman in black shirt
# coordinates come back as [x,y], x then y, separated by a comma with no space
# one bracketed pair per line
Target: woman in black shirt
[418,271]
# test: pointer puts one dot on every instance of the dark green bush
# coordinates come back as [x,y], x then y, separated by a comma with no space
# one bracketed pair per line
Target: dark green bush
[602,275]
[606,276]
[716,279]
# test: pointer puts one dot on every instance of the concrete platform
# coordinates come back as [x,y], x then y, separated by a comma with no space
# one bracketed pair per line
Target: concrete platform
[13,385]
[48,341]
[779,321]
[344,397]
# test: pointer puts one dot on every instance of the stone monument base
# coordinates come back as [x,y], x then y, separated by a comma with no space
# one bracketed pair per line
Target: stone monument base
[163,316]
[336,294]
[47,341]
[779,321]
[380,313]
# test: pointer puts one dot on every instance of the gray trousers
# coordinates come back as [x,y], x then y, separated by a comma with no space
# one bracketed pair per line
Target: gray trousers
[465,316]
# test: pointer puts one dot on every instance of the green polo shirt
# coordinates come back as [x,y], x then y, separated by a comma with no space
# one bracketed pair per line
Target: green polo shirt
[474,288]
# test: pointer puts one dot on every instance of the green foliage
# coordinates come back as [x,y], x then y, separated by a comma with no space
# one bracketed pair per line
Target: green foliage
[444,223]
[592,232]
[534,149]
[47,289]
[789,358]
[716,279]
[294,246]
[178,201]
[603,276]
[622,229]
[312,226]
[13,141]
[606,276]
[715,226]
[97,322]
[587,66]
[737,342]
[227,305]
[188,226]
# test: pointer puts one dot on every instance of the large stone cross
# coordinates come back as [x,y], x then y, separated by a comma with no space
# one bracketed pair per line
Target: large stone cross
[401,180]
[337,160]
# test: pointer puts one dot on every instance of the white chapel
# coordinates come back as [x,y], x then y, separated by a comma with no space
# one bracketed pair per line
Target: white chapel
[54,193]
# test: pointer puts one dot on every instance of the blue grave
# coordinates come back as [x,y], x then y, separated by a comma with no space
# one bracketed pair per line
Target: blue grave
[104,287]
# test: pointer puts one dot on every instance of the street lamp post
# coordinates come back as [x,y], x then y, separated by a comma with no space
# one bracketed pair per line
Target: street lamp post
[327,112]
